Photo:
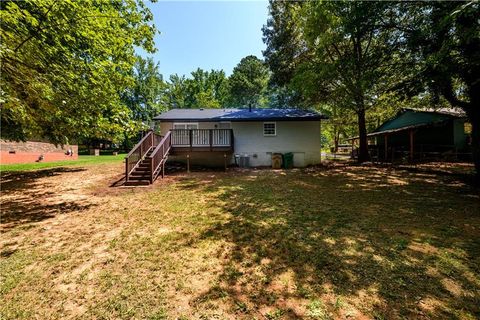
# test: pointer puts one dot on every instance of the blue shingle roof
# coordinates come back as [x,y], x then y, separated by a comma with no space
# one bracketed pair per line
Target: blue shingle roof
[239,115]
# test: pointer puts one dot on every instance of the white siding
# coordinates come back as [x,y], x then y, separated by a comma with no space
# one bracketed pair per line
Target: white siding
[300,137]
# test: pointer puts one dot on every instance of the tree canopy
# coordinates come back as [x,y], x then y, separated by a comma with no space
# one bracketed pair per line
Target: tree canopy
[248,82]
[64,65]
[145,98]
[205,89]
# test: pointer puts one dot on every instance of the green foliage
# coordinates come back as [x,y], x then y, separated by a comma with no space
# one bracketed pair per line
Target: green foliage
[340,125]
[248,82]
[64,64]
[203,90]
[283,38]
[145,97]
[444,41]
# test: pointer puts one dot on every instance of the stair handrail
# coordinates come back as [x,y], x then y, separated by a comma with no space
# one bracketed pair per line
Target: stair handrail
[139,150]
[159,154]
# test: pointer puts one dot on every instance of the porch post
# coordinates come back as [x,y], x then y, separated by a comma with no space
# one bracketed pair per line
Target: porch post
[126,169]
[191,138]
[386,146]
[210,138]
[411,145]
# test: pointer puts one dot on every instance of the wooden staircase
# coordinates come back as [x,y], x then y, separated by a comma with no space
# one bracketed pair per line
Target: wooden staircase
[147,159]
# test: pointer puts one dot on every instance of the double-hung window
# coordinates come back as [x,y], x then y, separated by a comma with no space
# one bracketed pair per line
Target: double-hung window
[269,129]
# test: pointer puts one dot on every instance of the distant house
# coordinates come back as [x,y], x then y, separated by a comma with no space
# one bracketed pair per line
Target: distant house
[214,137]
[432,133]
[35,151]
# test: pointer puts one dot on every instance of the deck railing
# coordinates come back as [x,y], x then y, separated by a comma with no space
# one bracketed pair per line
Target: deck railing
[202,138]
[135,156]
[159,156]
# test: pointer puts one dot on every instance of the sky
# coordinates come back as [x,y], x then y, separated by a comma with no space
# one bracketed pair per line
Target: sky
[206,34]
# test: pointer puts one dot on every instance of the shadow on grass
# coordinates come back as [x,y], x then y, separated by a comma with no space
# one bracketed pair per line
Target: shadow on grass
[383,243]
[23,202]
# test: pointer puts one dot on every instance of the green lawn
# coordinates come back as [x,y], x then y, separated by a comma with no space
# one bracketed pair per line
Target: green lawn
[346,242]
[82,160]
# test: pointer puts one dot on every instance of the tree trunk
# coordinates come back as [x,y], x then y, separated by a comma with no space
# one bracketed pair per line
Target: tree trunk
[362,136]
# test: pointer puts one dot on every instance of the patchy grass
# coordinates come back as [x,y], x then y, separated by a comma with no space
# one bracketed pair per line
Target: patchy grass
[82,161]
[343,242]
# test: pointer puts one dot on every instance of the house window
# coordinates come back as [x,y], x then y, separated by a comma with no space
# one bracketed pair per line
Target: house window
[269,129]
[185,126]
[224,125]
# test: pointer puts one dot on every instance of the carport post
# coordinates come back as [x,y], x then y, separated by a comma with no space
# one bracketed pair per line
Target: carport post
[411,145]
[386,146]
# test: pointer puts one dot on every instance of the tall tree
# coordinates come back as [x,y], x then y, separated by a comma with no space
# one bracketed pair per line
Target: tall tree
[145,97]
[248,82]
[65,63]
[285,50]
[444,43]
[285,45]
[352,55]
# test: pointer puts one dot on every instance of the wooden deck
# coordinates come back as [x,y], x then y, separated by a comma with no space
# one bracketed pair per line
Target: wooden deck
[146,161]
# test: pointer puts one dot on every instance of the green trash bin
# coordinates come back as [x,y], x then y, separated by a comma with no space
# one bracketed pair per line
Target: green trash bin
[288,160]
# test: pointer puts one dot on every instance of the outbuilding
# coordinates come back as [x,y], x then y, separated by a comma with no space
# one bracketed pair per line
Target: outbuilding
[421,134]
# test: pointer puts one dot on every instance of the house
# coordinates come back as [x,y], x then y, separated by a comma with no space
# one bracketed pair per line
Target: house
[220,137]
[35,151]
[421,134]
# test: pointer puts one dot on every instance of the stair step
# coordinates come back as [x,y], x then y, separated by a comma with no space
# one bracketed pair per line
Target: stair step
[140,174]
[142,170]
[142,177]
[137,182]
